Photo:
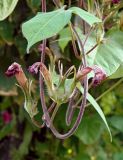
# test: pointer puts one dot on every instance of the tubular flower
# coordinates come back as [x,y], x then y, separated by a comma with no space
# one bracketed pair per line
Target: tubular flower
[16,70]
[30,103]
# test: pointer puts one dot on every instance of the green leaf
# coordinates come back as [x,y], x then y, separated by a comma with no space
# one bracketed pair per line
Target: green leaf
[118,156]
[118,73]
[97,108]
[81,156]
[34,4]
[110,54]
[65,37]
[6,32]
[7,129]
[21,44]
[90,129]
[45,25]
[6,8]
[86,16]
[117,122]
[24,146]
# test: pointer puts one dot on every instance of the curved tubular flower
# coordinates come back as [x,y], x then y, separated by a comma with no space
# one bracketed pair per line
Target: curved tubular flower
[16,70]
[30,104]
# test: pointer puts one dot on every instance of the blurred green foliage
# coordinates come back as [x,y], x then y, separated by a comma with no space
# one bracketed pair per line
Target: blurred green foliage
[20,139]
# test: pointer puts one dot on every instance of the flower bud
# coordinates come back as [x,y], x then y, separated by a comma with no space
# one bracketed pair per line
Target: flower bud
[115,1]
[34,68]
[100,75]
[83,72]
[7,117]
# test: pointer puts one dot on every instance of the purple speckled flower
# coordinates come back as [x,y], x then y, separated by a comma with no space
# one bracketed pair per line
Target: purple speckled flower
[100,75]
[13,69]
[115,1]
[34,68]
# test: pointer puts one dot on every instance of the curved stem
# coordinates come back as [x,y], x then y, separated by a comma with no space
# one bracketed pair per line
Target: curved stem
[92,49]
[82,108]
[54,114]
[74,44]
[78,120]
[70,109]
[110,89]
[102,95]
[89,32]
[83,104]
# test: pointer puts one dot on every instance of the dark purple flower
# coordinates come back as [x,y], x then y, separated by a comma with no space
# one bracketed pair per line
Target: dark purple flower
[100,75]
[7,117]
[115,1]
[13,69]
[34,68]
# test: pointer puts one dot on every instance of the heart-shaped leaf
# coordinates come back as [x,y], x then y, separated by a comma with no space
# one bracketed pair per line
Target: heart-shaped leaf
[45,25]
[6,8]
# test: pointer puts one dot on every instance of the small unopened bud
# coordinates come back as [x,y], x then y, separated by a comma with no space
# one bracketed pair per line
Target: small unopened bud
[83,72]
[7,117]
[115,1]
[16,70]
[34,68]
[100,75]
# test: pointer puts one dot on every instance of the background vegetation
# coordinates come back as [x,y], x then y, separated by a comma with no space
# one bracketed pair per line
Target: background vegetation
[19,138]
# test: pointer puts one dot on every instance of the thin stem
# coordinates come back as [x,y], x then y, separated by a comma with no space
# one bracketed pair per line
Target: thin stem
[74,44]
[89,32]
[69,3]
[81,46]
[110,89]
[57,3]
[43,2]
[102,95]
[50,108]
[70,109]
[112,13]
[54,113]
[80,3]
[92,49]
[45,111]
[37,124]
